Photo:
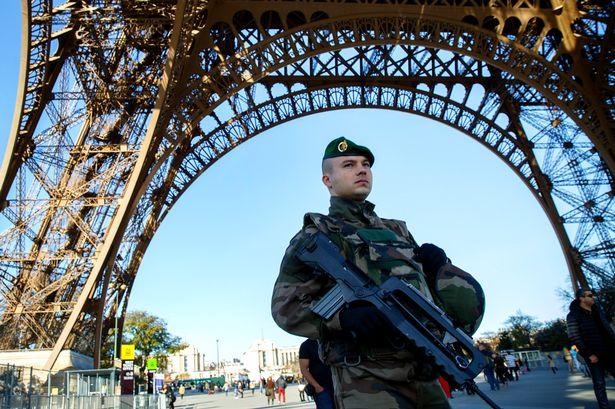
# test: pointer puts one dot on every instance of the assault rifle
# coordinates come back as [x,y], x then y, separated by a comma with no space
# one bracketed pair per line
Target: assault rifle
[420,322]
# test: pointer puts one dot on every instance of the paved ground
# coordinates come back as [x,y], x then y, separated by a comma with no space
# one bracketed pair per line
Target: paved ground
[539,389]
[535,390]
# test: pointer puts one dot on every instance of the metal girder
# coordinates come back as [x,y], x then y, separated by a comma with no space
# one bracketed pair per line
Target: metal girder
[220,134]
[79,164]
[39,70]
[124,104]
[131,191]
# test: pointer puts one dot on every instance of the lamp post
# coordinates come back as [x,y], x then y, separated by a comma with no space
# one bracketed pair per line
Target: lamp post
[119,288]
[217,358]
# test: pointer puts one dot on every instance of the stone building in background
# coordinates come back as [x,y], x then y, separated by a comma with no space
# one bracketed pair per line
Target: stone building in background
[264,358]
[187,361]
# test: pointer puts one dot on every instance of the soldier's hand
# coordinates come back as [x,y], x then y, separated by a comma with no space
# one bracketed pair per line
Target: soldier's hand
[364,322]
[431,257]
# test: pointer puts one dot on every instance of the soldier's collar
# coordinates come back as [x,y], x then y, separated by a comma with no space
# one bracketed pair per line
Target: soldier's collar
[350,209]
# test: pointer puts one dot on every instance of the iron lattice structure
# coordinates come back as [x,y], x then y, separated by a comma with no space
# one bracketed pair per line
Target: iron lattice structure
[123,104]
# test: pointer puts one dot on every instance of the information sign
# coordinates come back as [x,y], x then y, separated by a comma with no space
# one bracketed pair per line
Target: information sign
[128,378]
[152,364]
[127,352]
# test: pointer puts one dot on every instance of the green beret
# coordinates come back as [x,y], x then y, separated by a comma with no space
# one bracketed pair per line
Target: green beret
[345,147]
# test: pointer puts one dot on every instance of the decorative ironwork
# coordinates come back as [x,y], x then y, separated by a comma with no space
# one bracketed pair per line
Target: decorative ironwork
[124,104]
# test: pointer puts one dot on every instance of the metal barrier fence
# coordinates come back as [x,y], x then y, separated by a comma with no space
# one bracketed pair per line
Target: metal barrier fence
[19,380]
[83,402]
[29,388]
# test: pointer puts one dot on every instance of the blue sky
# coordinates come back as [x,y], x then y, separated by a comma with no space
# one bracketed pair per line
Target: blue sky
[210,268]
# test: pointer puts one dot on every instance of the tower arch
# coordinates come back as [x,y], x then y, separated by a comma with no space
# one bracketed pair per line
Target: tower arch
[192,70]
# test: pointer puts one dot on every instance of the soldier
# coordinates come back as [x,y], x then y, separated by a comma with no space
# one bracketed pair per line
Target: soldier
[370,368]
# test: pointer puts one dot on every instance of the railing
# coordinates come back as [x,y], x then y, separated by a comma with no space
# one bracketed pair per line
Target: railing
[83,402]
[29,388]
[19,380]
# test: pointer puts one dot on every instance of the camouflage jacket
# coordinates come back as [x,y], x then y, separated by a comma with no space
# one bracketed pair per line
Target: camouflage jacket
[377,246]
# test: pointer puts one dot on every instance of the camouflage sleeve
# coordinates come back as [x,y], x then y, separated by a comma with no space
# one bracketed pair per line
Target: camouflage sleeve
[454,290]
[460,296]
[296,288]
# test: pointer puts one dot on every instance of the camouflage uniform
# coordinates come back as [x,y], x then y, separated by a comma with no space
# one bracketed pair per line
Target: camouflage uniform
[378,375]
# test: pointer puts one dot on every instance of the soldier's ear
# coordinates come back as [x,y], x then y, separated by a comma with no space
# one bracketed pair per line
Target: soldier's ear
[327,181]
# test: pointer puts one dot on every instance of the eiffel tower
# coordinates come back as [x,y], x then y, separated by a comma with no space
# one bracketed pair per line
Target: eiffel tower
[124,103]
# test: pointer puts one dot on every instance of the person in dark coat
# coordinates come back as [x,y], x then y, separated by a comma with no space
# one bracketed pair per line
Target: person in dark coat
[590,331]
[500,369]
[169,396]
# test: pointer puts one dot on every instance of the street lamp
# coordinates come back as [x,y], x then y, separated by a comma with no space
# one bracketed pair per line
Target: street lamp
[119,288]
[217,359]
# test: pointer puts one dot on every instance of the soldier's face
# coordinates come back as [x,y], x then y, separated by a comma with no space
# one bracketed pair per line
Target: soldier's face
[349,177]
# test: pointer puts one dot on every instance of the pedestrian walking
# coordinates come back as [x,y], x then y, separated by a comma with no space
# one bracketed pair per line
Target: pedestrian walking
[513,369]
[520,367]
[527,365]
[281,384]
[301,390]
[566,363]
[552,364]
[170,398]
[270,391]
[567,356]
[594,337]
[182,390]
[226,388]
[501,371]
[489,369]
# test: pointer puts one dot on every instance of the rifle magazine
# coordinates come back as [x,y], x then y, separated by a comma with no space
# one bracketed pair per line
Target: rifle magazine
[330,303]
